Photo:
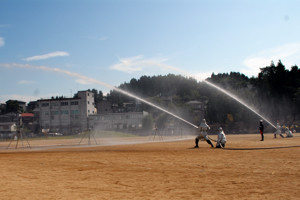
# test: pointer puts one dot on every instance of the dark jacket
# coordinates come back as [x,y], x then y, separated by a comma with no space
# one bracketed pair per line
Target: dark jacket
[261,127]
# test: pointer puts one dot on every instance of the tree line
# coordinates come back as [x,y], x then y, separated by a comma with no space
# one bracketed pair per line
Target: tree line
[274,93]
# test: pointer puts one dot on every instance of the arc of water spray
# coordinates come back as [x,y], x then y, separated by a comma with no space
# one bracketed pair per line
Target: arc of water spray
[91,80]
[221,90]
[238,100]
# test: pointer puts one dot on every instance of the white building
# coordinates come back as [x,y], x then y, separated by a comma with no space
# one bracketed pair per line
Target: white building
[113,121]
[7,129]
[66,115]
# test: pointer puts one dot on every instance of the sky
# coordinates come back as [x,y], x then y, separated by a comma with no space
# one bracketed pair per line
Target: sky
[58,47]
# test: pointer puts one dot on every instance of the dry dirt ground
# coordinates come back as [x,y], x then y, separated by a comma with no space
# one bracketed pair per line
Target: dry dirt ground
[246,169]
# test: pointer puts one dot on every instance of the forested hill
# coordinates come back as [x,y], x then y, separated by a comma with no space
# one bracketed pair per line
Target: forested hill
[275,93]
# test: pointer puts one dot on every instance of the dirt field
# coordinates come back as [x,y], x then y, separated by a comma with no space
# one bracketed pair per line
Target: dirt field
[247,169]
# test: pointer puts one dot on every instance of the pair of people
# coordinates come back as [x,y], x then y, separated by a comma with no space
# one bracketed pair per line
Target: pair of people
[203,128]
[288,132]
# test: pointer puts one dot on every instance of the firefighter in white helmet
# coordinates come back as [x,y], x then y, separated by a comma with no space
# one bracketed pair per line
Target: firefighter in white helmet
[221,141]
[203,134]
[278,131]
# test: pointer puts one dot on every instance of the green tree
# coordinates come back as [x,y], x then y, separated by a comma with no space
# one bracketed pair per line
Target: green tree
[13,106]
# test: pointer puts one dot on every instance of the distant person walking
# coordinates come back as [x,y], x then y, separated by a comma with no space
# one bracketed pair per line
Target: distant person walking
[221,141]
[261,130]
[278,131]
[203,134]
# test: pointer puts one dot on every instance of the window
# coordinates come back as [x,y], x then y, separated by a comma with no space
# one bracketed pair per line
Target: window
[74,112]
[54,104]
[64,112]
[74,103]
[45,104]
[64,103]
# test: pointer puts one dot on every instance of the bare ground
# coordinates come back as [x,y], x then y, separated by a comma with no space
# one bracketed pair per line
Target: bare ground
[246,169]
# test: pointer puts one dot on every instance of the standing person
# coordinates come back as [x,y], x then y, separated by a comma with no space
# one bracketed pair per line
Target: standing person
[261,130]
[221,141]
[203,134]
[278,130]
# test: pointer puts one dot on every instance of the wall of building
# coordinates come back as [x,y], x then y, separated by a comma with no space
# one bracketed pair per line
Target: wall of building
[117,121]
[66,115]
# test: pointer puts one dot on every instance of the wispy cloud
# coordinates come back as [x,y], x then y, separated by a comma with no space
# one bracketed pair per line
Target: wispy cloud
[83,82]
[25,82]
[130,65]
[289,54]
[60,71]
[140,64]
[2,42]
[47,56]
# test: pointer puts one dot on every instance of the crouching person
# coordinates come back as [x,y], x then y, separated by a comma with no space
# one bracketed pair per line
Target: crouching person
[221,139]
[288,132]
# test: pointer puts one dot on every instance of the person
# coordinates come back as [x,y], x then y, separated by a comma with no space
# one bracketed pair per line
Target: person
[221,141]
[203,134]
[288,132]
[278,131]
[261,130]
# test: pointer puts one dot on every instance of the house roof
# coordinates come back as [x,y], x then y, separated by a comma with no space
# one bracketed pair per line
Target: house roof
[27,115]
[7,123]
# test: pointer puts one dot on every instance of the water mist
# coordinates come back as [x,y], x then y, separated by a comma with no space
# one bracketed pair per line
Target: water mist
[238,100]
[91,80]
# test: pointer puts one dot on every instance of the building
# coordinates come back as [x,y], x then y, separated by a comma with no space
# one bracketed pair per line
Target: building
[198,108]
[65,115]
[2,107]
[22,105]
[104,107]
[117,121]
[7,129]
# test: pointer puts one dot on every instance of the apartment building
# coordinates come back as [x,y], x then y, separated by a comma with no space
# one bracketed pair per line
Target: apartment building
[65,115]
[117,121]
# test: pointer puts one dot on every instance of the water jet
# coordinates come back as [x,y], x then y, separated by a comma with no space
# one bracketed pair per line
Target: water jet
[91,80]
[239,101]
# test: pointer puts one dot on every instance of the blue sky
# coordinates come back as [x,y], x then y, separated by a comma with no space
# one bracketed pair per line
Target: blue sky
[54,47]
